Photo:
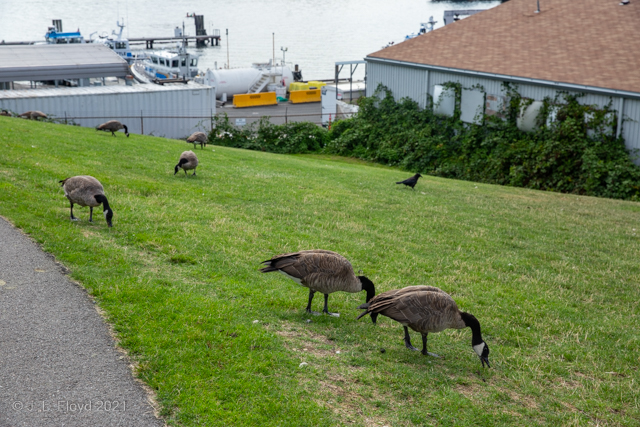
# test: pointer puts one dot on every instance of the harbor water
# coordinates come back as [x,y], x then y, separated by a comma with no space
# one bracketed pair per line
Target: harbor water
[315,34]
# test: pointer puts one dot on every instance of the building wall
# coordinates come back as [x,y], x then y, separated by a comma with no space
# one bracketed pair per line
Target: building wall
[403,81]
[418,82]
[172,111]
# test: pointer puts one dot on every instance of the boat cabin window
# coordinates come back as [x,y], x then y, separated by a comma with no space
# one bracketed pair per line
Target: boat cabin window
[194,62]
[121,45]
[174,63]
[161,61]
[183,63]
[154,59]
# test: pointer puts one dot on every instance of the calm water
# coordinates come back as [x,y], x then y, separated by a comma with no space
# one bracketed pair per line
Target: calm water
[316,33]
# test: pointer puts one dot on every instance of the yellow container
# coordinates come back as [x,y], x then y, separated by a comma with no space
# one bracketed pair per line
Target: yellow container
[301,96]
[254,99]
[298,86]
[314,84]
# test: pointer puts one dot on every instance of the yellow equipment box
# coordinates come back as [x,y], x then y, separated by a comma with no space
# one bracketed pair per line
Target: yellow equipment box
[298,86]
[254,99]
[313,84]
[301,96]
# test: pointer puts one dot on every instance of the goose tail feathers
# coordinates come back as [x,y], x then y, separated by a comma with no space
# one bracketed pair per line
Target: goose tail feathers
[267,266]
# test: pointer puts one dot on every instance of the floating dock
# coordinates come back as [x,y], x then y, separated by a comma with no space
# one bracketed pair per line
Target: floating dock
[213,40]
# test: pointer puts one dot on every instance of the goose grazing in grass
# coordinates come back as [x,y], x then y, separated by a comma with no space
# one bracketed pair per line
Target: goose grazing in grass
[188,161]
[426,309]
[198,138]
[5,113]
[411,182]
[113,126]
[320,271]
[34,115]
[85,190]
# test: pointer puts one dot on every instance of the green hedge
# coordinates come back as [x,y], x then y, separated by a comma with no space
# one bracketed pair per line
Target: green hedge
[298,137]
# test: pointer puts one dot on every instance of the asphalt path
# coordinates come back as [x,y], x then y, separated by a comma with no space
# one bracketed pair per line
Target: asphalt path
[59,366]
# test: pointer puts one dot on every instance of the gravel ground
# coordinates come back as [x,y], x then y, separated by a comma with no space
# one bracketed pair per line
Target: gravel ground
[58,364]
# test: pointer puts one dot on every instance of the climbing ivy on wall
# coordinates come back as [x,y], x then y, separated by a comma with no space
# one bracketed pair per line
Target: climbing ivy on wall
[579,153]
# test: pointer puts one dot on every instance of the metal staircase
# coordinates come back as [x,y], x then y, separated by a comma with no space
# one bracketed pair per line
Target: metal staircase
[259,83]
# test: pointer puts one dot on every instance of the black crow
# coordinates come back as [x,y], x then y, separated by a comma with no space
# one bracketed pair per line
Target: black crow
[411,182]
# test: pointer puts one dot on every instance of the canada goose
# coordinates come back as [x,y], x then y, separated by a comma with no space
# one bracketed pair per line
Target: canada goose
[5,113]
[198,138]
[188,161]
[320,271]
[33,115]
[113,126]
[411,182]
[85,190]
[426,309]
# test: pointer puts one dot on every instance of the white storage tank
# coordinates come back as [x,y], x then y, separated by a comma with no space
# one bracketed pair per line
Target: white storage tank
[238,80]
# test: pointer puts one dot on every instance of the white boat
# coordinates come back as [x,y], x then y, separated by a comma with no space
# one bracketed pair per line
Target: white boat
[54,37]
[425,27]
[176,64]
[169,64]
[119,44]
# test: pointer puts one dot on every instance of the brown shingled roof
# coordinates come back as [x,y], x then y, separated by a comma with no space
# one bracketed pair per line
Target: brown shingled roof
[585,42]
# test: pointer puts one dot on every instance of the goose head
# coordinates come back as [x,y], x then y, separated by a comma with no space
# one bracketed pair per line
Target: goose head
[479,346]
[482,350]
[108,215]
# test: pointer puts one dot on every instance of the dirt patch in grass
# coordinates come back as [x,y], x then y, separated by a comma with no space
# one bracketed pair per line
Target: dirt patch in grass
[339,389]
[527,401]
[344,397]
[303,340]
[470,390]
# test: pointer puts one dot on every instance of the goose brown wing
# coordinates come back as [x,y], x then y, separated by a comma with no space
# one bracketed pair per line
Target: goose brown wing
[290,265]
[321,270]
[423,311]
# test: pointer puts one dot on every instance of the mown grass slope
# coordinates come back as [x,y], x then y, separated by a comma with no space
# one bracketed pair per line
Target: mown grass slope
[554,280]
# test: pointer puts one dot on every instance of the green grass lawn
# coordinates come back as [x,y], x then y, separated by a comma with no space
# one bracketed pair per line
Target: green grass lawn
[552,278]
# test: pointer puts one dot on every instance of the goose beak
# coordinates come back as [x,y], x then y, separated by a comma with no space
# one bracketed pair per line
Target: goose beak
[485,360]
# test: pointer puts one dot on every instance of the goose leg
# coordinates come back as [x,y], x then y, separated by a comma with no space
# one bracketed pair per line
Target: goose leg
[326,308]
[185,172]
[194,173]
[315,313]
[407,340]
[90,213]
[424,347]
[73,218]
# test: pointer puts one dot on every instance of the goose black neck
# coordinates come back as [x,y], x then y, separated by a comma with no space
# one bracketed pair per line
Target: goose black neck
[470,321]
[126,131]
[103,199]
[367,285]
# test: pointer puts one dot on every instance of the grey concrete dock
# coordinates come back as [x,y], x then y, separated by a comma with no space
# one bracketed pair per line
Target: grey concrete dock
[58,363]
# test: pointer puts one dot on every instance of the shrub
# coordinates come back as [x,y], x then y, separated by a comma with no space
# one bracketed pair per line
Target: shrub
[291,138]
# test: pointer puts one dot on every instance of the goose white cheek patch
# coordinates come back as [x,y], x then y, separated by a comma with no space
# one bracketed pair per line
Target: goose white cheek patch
[479,348]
